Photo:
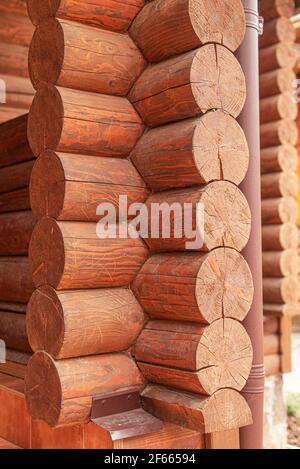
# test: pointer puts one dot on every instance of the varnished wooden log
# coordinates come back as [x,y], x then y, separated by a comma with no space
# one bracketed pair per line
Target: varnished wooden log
[14,147]
[279,55]
[195,358]
[19,91]
[81,122]
[277,30]
[70,255]
[190,85]
[272,364]
[280,106]
[60,392]
[281,290]
[15,176]
[14,307]
[107,14]
[15,356]
[15,279]
[270,9]
[70,187]
[84,58]
[282,184]
[276,82]
[13,331]
[223,410]
[15,29]
[277,211]
[271,344]
[194,151]
[14,60]
[286,344]
[17,6]
[271,325]
[8,113]
[280,132]
[155,29]
[280,237]
[195,287]
[290,309]
[15,200]
[15,233]
[80,323]
[275,159]
[226,218]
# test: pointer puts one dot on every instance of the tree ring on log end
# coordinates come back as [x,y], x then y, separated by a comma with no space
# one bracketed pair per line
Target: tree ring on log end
[224,286]
[217,80]
[47,253]
[47,186]
[45,121]
[43,389]
[45,60]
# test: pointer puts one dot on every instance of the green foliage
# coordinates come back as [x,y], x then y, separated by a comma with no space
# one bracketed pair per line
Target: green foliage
[293,405]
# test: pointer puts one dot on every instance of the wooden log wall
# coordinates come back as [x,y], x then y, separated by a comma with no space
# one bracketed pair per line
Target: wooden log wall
[16,226]
[280,184]
[16,33]
[165,119]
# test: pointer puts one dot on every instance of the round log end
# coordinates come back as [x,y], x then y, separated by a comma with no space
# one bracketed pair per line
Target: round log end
[289,184]
[220,148]
[227,219]
[43,389]
[224,356]
[287,107]
[46,253]
[47,186]
[45,121]
[223,84]
[45,61]
[45,321]
[225,410]
[290,289]
[42,9]
[224,286]
[289,236]
[220,22]
[285,30]
[290,262]
[288,158]
[288,210]
[286,55]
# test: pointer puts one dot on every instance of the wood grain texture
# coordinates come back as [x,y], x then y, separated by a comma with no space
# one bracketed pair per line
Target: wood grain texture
[70,187]
[60,392]
[15,176]
[15,232]
[14,307]
[277,311]
[200,359]
[272,364]
[226,409]
[106,14]
[227,218]
[15,279]
[281,263]
[271,344]
[70,255]
[279,237]
[19,92]
[15,200]
[13,331]
[277,211]
[229,439]
[281,290]
[280,106]
[277,30]
[15,29]
[271,325]
[195,287]
[8,113]
[4,444]
[271,9]
[276,159]
[276,82]
[14,60]
[16,356]
[279,55]
[194,151]
[79,323]
[280,132]
[18,6]
[178,87]
[81,122]
[14,147]
[281,184]
[84,58]
[155,29]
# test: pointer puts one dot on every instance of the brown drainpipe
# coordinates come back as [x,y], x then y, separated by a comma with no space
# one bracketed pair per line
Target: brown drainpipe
[251,437]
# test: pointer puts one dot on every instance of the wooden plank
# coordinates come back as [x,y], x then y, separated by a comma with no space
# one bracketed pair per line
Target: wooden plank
[223,440]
